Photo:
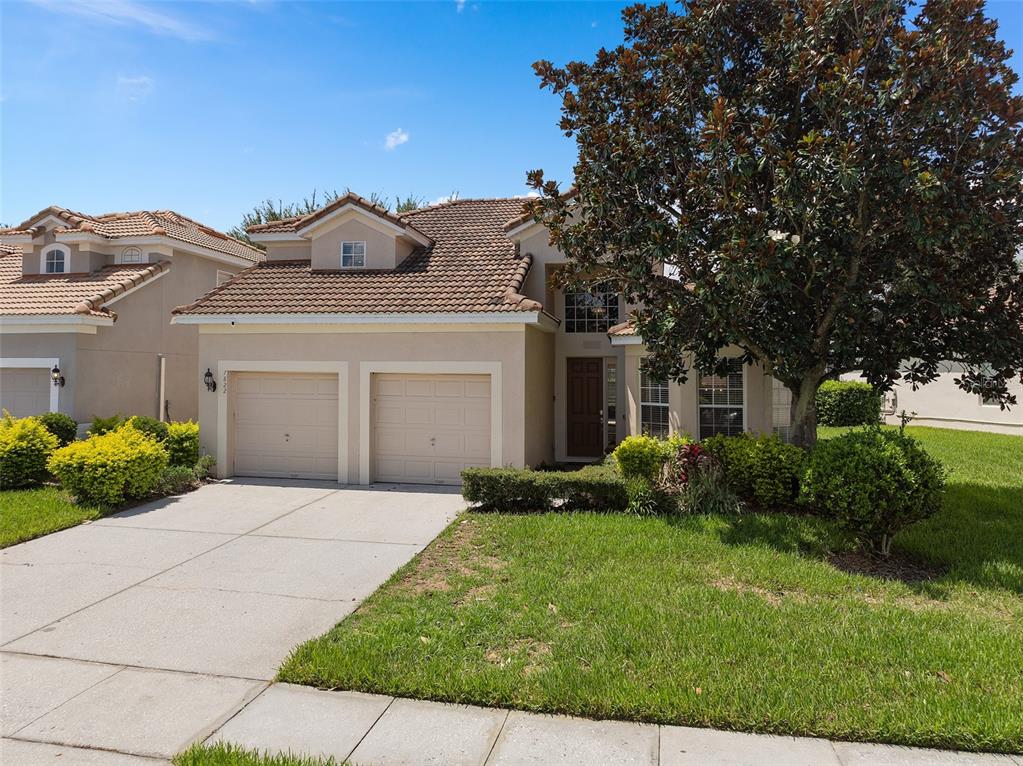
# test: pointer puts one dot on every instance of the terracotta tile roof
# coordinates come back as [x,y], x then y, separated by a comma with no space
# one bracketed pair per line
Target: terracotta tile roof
[143,223]
[622,329]
[298,222]
[470,267]
[10,249]
[42,294]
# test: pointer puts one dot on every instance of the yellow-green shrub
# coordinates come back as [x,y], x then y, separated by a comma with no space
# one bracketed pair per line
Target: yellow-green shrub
[25,446]
[106,469]
[182,443]
[640,457]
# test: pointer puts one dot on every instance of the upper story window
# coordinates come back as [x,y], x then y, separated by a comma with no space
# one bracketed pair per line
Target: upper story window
[55,259]
[593,311]
[722,400]
[353,255]
[131,255]
[653,406]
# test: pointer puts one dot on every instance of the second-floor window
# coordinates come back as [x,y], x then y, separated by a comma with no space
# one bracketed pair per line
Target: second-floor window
[353,255]
[592,311]
[55,261]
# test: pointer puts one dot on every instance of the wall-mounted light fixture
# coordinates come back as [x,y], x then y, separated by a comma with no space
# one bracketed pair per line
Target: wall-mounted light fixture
[56,377]
[211,384]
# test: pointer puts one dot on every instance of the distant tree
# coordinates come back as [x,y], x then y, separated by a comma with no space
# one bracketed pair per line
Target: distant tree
[268,210]
[830,186]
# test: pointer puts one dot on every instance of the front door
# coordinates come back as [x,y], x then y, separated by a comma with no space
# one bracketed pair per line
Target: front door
[585,405]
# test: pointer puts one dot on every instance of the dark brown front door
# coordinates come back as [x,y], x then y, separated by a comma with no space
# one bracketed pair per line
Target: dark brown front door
[585,407]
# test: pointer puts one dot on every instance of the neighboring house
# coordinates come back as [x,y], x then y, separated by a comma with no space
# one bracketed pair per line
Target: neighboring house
[942,403]
[87,300]
[375,347]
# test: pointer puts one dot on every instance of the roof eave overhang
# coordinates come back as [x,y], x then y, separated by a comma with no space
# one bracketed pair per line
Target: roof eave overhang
[17,239]
[625,340]
[523,230]
[278,236]
[538,318]
[351,207]
[156,240]
[56,320]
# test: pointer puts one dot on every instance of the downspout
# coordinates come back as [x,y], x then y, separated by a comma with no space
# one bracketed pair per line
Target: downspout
[161,408]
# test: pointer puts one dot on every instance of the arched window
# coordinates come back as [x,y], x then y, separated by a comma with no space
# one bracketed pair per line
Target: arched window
[56,259]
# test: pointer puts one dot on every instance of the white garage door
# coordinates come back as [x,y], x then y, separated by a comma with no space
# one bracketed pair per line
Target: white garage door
[285,425]
[25,391]
[427,428]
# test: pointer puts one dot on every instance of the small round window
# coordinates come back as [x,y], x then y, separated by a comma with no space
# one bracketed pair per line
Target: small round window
[131,255]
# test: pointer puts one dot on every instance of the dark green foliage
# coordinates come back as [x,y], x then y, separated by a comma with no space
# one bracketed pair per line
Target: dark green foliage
[176,479]
[873,483]
[204,467]
[835,184]
[157,429]
[847,403]
[102,426]
[761,469]
[647,498]
[60,425]
[517,490]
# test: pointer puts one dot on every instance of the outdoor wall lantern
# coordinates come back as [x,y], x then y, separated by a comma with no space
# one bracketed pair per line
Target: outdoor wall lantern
[211,384]
[56,377]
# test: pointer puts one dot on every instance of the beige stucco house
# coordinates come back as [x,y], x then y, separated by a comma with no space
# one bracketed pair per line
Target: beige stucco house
[375,347]
[86,300]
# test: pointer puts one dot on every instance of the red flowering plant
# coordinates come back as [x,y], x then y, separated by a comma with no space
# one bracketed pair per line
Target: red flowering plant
[683,464]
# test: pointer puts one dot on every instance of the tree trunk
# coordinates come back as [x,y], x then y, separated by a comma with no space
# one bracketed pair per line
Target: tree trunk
[804,414]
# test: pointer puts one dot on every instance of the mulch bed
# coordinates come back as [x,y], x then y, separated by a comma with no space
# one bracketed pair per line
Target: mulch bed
[894,567]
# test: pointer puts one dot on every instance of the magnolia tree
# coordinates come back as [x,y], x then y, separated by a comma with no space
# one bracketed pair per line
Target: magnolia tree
[830,186]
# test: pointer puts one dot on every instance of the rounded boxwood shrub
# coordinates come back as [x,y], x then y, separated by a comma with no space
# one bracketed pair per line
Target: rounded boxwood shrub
[873,483]
[761,469]
[149,426]
[847,403]
[60,425]
[182,443]
[25,446]
[640,457]
[106,469]
[100,426]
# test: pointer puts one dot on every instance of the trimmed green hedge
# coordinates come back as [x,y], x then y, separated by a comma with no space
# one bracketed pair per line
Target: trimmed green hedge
[847,403]
[60,425]
[182,443]
[595,488]
[762,469]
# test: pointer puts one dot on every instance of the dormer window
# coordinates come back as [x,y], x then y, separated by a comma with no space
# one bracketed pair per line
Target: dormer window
[353,255]
[131,255]
[55,259]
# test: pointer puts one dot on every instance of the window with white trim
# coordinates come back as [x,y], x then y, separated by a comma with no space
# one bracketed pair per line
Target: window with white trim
[593,311]
[781,410]
[55,260]
[653,406]
[722,402]
[131,255]
[353,255]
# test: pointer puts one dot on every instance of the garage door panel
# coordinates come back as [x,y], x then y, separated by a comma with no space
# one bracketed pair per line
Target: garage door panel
[428,428]
[285,425]
[25,391]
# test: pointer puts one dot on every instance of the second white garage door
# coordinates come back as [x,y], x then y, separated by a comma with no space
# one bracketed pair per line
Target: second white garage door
[285,425]
[427,428]
[25,391]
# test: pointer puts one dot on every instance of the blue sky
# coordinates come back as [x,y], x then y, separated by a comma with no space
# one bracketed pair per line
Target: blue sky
[208,107]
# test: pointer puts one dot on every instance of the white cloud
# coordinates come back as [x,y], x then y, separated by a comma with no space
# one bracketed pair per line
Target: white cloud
[593,25]
[446,198]
[130,13]
[531,194]
[459,6]
[134,88]
[395,139]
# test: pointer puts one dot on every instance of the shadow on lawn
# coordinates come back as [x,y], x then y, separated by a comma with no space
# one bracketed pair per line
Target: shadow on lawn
[976,539]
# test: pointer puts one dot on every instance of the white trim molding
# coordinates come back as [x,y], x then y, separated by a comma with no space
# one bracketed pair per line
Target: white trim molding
[37,362]
[63,250]
[35,323]
[545,321]
[625,340]
[368,369]
[338,368]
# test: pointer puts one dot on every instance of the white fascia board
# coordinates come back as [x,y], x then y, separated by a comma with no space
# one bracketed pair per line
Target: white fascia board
[279,236]
[478,317]
[80,237]
[626,340]
[14,320]
[361,212]
[16,239]
[523,230]
[159,240]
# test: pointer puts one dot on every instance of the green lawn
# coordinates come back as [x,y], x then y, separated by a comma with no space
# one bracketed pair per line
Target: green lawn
[736,623]
[28,513]
[230,755]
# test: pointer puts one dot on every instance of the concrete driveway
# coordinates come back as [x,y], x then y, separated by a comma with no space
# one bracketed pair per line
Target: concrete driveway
[142,632]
